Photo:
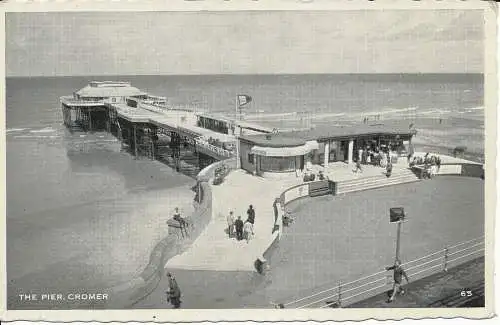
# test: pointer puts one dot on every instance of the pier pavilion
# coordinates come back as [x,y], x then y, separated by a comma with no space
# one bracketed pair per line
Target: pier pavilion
[292,151]
[86,108]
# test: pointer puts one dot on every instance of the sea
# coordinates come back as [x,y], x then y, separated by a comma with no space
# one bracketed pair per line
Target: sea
[83,213]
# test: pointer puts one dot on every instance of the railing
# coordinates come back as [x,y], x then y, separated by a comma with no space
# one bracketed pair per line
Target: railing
[208,172]
[350,292]
[220,151]
[72,100]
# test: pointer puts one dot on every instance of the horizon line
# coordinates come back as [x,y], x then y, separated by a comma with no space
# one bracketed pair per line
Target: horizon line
[258,74]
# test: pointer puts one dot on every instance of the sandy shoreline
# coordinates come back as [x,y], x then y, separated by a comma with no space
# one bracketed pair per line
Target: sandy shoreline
[103,241]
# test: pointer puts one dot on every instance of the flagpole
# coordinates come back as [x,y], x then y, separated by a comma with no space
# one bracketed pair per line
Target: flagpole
[236,133]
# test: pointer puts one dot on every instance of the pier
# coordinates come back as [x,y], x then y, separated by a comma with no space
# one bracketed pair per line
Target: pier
[147,126]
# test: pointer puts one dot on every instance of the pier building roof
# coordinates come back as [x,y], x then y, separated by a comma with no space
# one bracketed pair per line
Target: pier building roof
[273,140]
[109,89]
[340,132]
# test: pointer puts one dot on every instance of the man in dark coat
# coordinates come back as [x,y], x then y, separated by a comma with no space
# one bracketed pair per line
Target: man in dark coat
[238,224]
[174,292]
[251,214]
[399,273]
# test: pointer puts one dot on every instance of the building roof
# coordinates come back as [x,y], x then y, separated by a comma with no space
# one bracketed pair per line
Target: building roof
[109,89]
[273,140]
[335,132]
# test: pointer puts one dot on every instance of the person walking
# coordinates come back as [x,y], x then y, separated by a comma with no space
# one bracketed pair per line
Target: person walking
[230,224]
[251,215]
[174,292]
[388,172]
[358,167]
[248,231]
[399,273]
[238,224]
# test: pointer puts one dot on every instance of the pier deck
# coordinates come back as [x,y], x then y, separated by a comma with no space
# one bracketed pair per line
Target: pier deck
[178,121]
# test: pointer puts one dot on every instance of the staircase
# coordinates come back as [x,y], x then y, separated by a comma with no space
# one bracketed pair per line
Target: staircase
[400,176]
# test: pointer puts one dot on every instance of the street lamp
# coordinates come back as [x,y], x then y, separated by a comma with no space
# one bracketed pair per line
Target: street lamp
[397,215]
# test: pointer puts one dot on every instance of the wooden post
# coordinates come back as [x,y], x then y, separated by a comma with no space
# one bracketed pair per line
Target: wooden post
[90,120]
[445,268]
[340,294]
[135,140]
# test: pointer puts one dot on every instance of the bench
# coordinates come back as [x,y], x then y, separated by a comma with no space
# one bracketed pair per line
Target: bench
[420,171]
[171,223]
[319,188]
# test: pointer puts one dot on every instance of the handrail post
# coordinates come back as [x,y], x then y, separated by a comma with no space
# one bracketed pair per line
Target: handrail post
[340,294]
[445,268]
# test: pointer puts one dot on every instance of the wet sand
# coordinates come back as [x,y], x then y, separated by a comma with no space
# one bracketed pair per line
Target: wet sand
[96,235]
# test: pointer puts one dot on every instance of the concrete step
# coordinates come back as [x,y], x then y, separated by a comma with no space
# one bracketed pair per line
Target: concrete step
[365,182]
[378,181]
[376,185]
[378,177]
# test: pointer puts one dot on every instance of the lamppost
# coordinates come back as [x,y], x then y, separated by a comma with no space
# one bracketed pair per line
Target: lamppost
[397,215]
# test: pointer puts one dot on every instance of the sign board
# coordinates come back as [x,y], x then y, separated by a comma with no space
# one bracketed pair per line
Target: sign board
[396,214]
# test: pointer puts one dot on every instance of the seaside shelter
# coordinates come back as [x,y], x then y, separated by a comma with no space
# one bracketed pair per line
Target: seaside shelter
[342,143]
[273,153]
[290,151]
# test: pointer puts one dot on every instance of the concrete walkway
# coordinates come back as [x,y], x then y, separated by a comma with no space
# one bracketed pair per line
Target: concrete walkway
[214,250]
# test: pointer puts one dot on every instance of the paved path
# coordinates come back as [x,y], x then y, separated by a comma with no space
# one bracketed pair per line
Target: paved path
[213,250]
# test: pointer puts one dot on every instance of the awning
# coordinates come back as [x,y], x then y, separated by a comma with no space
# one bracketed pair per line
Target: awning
[285,151]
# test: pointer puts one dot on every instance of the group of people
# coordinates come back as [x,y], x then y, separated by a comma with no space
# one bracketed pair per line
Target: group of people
[377,157]
[239,229]
[430,163]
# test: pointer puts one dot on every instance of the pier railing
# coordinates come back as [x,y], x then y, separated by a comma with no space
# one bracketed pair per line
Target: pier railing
[346,293]
[218,150]
[70,100]
[209,172]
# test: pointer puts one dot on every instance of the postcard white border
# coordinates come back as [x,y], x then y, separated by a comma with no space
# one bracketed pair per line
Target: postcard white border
[491,100]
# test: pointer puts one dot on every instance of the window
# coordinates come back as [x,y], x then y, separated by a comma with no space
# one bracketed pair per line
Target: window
[277,164]
[250,158]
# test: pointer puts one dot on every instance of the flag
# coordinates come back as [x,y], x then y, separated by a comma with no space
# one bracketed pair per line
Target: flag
[243,100]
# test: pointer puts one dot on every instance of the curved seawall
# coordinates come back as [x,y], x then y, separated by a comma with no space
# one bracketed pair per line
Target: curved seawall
[127,294]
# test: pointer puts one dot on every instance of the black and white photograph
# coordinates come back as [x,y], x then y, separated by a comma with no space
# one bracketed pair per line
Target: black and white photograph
[306,159]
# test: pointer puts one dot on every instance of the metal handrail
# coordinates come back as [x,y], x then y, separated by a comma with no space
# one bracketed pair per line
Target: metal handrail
[421,258]
[218,150]
[362,292]
[465,242]
[432,266]
[474,252]
[450,254]
[419,265]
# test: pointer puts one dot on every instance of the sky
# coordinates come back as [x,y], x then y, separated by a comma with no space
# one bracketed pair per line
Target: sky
[250,42]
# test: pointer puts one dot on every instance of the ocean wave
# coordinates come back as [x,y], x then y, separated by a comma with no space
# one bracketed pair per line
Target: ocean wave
[15,130]
[44,130]
[479,108]
[265,116]
[35,136]
[391,111]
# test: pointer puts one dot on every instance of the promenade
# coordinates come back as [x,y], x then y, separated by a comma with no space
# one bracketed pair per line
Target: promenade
[213,250]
